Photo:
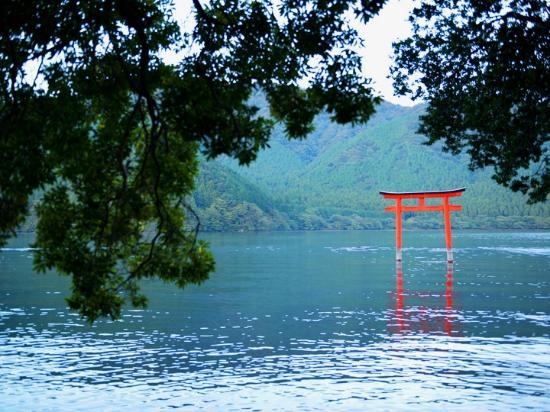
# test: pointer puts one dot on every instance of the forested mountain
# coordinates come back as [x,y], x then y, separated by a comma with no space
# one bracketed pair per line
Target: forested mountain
[332,180]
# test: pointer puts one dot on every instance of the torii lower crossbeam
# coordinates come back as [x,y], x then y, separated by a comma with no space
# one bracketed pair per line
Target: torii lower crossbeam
[445,206]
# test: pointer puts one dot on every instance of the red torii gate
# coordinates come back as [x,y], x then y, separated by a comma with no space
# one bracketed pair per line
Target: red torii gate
[421,206]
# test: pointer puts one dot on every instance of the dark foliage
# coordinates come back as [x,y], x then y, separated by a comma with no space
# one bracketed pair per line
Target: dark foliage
[93,118]
[484,69]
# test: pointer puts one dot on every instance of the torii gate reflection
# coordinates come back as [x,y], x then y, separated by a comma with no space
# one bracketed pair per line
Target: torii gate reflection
[427,319]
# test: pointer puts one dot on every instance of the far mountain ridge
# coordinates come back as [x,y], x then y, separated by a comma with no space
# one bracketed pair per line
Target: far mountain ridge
[332,179]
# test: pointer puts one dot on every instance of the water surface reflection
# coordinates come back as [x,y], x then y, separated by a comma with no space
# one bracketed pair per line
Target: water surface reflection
[313,321]
[426,312]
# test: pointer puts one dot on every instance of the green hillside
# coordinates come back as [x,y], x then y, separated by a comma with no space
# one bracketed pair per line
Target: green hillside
[226,201]
[331,180]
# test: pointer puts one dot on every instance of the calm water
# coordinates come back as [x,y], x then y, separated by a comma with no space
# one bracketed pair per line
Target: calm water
[296,321]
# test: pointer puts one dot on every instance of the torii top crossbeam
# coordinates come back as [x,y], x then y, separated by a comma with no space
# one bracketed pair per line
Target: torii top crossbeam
[421,206]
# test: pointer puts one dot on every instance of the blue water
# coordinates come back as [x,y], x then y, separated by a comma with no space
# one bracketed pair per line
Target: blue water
[296,321]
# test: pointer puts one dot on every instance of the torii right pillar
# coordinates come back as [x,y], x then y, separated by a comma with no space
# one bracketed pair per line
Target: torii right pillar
[445,206]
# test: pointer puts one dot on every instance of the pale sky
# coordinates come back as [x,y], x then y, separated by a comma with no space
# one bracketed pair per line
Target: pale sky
[390,25]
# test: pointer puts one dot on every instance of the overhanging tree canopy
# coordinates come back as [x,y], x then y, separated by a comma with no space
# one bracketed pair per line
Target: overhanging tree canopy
[483,66]
[108,133]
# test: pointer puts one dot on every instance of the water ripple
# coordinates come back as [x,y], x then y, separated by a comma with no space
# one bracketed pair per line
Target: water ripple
[340,329]
[441,371]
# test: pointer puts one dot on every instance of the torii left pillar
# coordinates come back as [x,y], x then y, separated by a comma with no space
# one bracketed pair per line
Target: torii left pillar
[445,206]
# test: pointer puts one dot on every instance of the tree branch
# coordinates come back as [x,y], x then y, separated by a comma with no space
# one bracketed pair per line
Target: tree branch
[203,14]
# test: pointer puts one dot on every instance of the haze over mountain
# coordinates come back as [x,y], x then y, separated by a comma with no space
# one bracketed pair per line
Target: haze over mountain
[332,179]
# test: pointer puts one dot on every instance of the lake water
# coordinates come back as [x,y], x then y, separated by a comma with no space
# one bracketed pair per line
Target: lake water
[311,321]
